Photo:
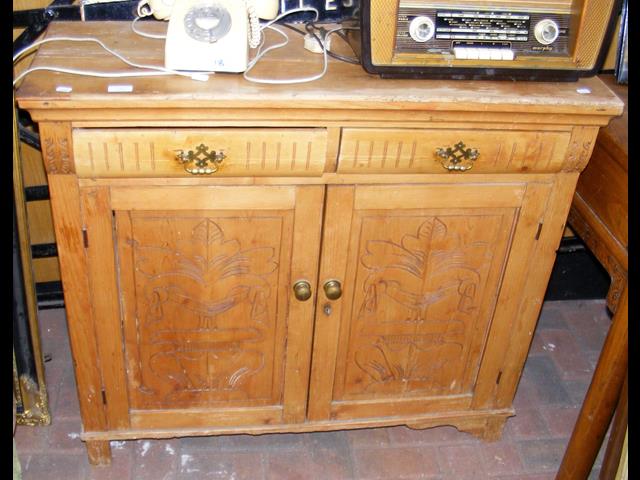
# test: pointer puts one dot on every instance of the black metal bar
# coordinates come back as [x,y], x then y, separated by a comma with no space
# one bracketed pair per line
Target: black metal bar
[27,37]
[570,245]
[29,137]
[44,250]
[25,361]
[37,16]
[49,294]
[36,193]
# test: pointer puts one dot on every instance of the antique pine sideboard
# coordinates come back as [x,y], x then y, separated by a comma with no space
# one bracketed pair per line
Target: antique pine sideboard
[347,253]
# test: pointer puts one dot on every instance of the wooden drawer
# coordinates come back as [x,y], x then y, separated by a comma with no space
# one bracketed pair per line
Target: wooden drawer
[151,152]
[373,150]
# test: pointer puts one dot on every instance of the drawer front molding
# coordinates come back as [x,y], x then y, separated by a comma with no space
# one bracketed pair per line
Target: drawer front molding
[372,150]
[153,152]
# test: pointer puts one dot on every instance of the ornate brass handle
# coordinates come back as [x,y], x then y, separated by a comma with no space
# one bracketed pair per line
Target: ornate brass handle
[302,290]
[458,158]
[332,289]
[200,162]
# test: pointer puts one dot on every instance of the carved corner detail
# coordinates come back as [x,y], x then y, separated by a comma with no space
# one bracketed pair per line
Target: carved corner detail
[56,148]
[580,149]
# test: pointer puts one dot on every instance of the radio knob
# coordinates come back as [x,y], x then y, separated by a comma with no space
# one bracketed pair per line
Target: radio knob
[546,31]
[422,29]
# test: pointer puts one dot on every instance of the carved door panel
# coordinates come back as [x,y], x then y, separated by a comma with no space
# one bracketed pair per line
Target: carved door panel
[210,328]
[420,286]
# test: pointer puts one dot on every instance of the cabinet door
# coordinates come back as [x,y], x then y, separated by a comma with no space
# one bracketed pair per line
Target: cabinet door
[421,269]
[199,293]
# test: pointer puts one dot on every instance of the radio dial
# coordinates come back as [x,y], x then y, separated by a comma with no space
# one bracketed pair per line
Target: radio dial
[546,31]
[422,29]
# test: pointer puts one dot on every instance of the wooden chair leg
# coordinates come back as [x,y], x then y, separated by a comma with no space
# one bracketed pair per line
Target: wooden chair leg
[600,401]
[616,438]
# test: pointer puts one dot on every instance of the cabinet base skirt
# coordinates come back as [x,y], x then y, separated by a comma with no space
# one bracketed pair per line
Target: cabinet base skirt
[486,424]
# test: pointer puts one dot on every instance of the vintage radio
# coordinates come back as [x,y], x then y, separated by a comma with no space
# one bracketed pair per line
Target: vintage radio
[558,40]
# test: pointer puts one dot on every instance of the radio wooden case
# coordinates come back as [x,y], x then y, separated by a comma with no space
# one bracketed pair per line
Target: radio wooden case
[505,39]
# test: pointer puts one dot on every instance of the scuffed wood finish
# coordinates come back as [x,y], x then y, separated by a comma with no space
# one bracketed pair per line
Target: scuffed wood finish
[192,418]
[411,150]
[345,88]
[472,421]
[420,281]
[193,197]
[335,238]
[207,305]
[152,153]
[57,147]
[542,256]
[442,273]
[98,225]
[581,146]
[505,320]
[304,266]
[99,452]
[74,268]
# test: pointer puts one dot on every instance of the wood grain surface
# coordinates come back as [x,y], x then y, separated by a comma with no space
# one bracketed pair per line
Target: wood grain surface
[344,87]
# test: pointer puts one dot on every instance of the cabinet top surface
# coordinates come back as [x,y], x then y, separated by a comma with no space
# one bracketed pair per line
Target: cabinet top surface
[344,86]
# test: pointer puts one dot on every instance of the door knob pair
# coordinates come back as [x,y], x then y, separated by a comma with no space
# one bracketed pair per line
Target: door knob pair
[332,290]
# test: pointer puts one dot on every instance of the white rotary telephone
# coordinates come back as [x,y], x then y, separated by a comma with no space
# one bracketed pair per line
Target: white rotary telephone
[210,35]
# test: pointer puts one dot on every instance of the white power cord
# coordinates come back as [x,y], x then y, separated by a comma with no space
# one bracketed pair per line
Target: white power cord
[153,70]
[288,81]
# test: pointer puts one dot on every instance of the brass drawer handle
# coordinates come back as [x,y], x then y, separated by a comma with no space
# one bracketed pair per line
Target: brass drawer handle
[333,289]
[302,290]
[200,162]
[458,158]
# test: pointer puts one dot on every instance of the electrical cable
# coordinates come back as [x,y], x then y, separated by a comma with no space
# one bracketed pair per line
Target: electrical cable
[311,25]
[143,34]
[153,69]
[289,81]
[342,58]
[291,27]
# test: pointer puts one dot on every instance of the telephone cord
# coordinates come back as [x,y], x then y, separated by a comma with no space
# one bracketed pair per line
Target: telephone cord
[254,24]
[144,34]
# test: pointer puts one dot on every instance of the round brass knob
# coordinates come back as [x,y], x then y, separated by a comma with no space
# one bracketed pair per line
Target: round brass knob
[333,289]
[302,290]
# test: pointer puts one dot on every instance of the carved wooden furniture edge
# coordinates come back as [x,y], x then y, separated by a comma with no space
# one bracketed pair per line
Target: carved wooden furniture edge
[57,147]
[614,257]
[303,114]
[464,421]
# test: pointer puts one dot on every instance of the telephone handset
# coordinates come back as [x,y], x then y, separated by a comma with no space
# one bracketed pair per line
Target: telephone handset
[210,35]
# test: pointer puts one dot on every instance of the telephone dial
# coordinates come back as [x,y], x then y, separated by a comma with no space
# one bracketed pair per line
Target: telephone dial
[210,35]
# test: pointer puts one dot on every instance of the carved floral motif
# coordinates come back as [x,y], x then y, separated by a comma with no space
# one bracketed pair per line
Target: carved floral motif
[413,321]
[56,149]
[205,311]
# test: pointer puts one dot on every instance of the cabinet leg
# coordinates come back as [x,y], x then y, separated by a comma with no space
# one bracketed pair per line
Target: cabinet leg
[99,452]
[489,431]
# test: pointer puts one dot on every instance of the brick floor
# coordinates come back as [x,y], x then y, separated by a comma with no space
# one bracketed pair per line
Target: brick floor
[556,376]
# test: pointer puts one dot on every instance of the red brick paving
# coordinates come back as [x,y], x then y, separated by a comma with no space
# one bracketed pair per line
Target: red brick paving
[556,376]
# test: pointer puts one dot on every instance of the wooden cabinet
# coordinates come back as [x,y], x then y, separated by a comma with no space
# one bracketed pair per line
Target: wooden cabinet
[352,253]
